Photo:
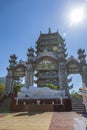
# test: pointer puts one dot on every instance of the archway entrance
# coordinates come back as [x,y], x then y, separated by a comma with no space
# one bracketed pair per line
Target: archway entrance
[18,83]
[76,81]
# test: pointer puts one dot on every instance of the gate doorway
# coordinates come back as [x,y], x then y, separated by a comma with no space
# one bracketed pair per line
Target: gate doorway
[76,81]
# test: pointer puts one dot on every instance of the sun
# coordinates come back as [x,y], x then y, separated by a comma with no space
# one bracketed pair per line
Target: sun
[76,16]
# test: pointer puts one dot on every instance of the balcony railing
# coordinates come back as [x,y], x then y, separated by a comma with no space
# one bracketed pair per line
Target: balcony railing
[48,76]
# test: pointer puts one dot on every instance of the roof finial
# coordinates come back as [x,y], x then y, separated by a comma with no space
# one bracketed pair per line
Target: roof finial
[40,32]
[49,30]
[57,30]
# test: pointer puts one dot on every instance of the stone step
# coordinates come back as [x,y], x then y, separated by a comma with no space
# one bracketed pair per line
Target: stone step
[73,108]
[78,110]
[78,106]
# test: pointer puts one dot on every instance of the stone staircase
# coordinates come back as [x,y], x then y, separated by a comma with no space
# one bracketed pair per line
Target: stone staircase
[77,105]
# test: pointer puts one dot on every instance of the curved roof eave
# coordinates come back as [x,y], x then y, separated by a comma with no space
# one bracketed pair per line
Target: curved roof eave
[72,59]
[46,55]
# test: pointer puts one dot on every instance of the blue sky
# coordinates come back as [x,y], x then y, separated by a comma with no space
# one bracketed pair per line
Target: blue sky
[22,20]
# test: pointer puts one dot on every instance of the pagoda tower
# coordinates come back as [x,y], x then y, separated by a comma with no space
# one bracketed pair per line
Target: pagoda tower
[46,50]
[51,58]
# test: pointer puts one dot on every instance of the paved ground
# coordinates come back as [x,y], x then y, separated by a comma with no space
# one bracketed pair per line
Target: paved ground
[67,121]
[25,121]
[43,121]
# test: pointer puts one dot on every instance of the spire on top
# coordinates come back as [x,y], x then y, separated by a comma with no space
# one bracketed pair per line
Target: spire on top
[40,32]
[49,30]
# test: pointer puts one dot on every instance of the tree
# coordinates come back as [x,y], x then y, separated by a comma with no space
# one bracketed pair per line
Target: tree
[16,87]
[2,86]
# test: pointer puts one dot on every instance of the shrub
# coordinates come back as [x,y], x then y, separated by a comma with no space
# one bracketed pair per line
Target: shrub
[52,86]
[1,89]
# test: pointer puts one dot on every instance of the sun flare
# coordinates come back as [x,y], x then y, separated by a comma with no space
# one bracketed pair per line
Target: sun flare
[76,16]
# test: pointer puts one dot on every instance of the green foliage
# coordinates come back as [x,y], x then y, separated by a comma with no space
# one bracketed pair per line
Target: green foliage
[1,88]
[75,94]
[16,87]
[52,86]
